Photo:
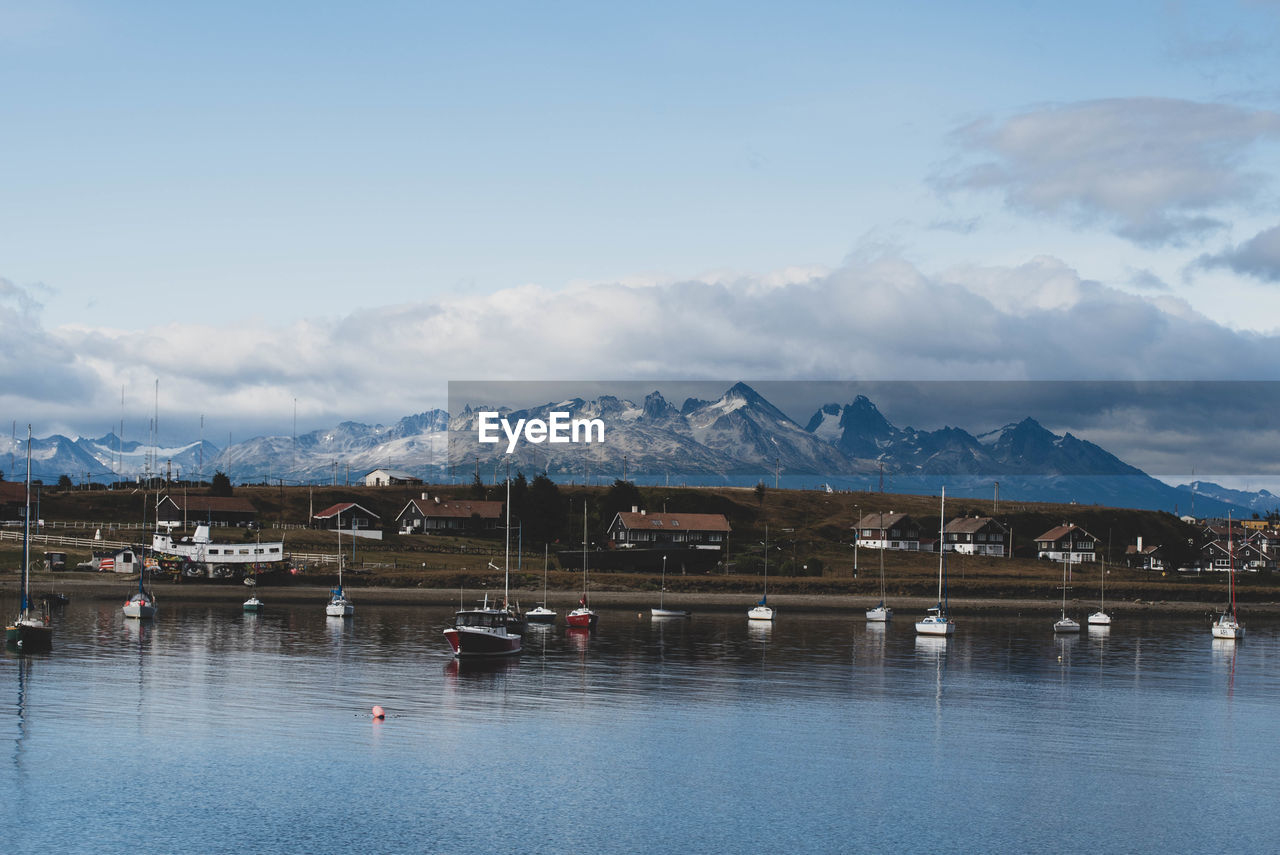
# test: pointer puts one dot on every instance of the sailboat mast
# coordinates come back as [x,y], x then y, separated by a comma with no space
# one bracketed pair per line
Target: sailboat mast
[26,533]
[942,550]
[584,551]
[506,560]
[1231,565]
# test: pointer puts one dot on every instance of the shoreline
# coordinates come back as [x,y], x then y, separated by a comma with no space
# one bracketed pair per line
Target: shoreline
[294,594]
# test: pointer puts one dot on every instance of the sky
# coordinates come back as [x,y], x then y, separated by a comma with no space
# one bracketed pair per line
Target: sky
[294,214]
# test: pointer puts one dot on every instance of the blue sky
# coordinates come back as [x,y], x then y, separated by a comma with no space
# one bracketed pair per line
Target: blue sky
[340,207]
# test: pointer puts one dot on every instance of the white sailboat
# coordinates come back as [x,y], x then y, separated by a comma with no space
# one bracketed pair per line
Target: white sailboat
[1065,624]
[1228,623]
[762,610]
[253,604]
[1100,617]
[938,619]
[662,610]
[541,614]
[142,603]
[339,605]
[881,613]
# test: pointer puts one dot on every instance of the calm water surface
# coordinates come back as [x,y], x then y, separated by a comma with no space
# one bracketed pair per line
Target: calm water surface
[209,730]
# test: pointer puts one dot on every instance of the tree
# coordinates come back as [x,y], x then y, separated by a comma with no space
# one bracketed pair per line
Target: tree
[477,487]
[760,491]
[622,496]
[544,512]
[220,485]
[64,482]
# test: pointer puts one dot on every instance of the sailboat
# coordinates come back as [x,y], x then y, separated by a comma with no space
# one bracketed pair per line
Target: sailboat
[1065,624]
[762,610]
[142,603]
[1228,625]
[938,619]
[253,604]
[489,631]
[540,613]
[662,610]
[29,632]
[583,617]
[881,612]
[339,605]
[1100,617]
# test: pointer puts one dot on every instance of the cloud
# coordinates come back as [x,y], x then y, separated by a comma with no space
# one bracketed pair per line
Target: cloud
[1258,257]
[1154,170]
[880,319]
[36,367]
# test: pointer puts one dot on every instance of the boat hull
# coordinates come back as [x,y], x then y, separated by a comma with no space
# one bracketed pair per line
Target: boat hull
[480,642]
[932,626]
[1099,619]
[582,619]
[29,636]
[1232,630]
[879,615]
[339,610]
[1066,625]
[668,613]
[140,607]
[540,615]
[760,613]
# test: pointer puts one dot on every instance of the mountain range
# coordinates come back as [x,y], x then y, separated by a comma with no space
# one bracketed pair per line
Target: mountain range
[738,438]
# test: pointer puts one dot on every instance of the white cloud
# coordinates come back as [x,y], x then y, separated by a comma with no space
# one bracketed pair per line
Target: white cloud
[882,319]
[1153,170]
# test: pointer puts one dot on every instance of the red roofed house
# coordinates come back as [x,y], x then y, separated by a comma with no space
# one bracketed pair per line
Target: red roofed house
[1068,543]
[348,516]
[450,516]
[640,529]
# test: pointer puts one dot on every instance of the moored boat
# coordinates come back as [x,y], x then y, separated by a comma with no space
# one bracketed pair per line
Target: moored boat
[583,617]
[661,610]
[490,631]
[1228,624]
[762,610]
[30,631]
[937,620]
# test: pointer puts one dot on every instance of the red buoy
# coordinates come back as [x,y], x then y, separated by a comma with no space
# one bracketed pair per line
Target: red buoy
[378,712]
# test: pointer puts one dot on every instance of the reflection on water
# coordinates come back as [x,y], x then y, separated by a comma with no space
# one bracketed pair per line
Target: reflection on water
[867,731]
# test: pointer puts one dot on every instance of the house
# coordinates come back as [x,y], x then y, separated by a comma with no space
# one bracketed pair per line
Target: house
[389,478]
[13,500]
[349,517]
[889,531]
[429,515]
[1141,557]
[1068,543]
[1220,556]
[976,536]
[640,529]
[181,510]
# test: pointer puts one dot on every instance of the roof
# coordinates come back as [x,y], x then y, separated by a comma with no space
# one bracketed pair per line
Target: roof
[341,507]
[673,522]
[881,521]
[1132,549]
[1062,531]
[970,525]
[458,508]
[216,504]
[398,474]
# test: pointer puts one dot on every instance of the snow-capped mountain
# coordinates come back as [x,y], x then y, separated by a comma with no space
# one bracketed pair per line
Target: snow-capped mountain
[737,435]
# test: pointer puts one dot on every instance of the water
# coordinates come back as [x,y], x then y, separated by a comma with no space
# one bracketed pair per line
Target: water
[214,731]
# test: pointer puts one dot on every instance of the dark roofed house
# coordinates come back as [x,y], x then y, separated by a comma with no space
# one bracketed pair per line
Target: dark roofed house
[1141,557]
[179,510]
[889,531]
[450,516]
[389,478]
[13,499]
[349,517]
[641,529]
[1068,543]
[976,536]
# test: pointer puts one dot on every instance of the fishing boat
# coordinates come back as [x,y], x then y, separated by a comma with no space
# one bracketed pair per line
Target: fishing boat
[1228,623]
[937,620]
[762,610]
[339,605]
[489,631]
[583,617]
[881,613]
[253,604]
[541,614]
[30,631]
[201,556]
[1065,624]
[1100,617]
[662,610]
